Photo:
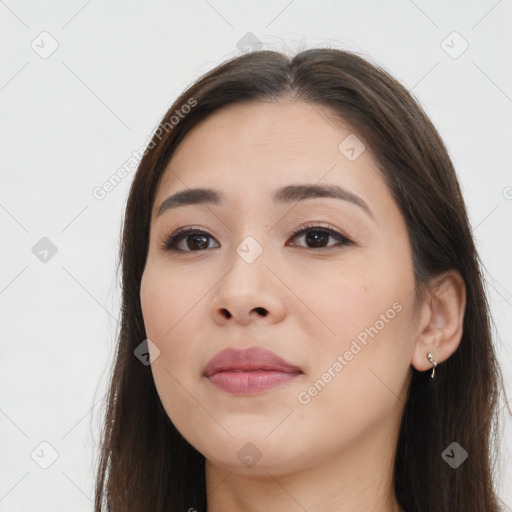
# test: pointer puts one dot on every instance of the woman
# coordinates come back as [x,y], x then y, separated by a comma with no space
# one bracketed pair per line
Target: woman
[304,325]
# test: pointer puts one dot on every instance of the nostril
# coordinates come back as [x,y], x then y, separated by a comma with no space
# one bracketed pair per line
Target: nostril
[261,311]
[226,313]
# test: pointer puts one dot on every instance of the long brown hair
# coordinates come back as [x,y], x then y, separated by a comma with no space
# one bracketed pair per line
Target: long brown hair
[144,462]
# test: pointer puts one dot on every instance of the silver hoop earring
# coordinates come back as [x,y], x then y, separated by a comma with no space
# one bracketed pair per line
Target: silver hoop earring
[434,364]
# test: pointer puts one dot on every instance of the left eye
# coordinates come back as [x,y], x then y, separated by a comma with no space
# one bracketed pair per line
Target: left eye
[318,236]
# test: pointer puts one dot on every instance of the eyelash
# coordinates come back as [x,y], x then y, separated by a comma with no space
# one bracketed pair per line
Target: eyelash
[172,240]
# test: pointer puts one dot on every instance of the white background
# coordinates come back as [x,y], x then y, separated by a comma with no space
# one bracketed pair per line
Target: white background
[70,120]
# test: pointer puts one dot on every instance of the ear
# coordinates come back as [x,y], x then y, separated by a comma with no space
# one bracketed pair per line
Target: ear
[441,320]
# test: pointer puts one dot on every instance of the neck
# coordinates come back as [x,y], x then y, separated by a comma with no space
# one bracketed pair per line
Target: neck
[355,478]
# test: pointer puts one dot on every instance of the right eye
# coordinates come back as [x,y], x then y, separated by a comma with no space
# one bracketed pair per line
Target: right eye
[193,239]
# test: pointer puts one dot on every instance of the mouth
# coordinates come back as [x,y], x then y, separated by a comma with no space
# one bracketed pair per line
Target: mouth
[247,371]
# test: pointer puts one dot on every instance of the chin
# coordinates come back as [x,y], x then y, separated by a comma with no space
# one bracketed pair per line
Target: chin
[253,461]
[252,455]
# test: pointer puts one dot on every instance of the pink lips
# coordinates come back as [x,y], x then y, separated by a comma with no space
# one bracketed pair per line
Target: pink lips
[250,370]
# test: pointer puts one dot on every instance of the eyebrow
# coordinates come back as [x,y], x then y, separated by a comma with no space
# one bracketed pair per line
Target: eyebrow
[286,194]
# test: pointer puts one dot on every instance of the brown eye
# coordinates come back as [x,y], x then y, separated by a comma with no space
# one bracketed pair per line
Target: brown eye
[317,237]
[188,240]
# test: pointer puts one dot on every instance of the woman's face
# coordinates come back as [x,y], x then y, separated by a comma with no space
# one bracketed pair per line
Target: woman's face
[335,301]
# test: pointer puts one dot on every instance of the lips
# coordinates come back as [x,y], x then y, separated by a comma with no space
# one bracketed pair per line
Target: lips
[249,371]
[247,360]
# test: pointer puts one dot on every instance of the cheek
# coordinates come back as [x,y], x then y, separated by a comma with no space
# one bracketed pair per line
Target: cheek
[166,299]
[165,322]
[170,328]
[341,305]
[360,377]
[171,306]
[359,324]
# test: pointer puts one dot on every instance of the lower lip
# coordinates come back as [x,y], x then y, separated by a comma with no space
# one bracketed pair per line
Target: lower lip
[247,382]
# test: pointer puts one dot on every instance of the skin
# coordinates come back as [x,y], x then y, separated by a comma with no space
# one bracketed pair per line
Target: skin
[336,452]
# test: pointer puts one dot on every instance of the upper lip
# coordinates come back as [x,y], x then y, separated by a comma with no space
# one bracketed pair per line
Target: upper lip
[252,358]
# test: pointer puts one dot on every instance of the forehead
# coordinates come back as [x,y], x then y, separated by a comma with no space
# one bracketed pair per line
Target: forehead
[278,127]
[266,145]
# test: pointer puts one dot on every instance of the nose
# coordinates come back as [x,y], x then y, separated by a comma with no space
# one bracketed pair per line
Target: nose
[248,292]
